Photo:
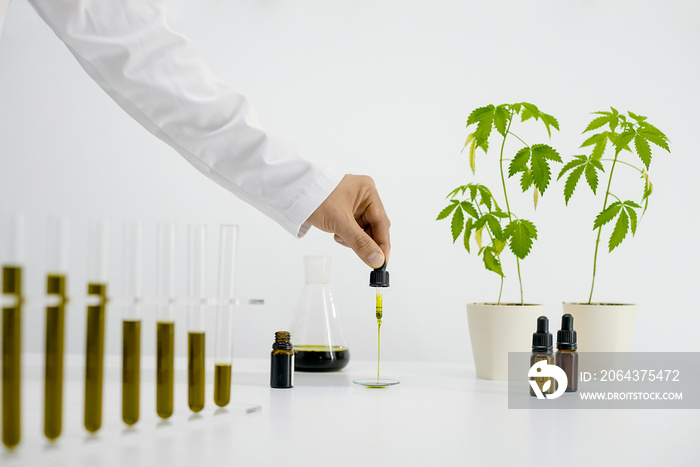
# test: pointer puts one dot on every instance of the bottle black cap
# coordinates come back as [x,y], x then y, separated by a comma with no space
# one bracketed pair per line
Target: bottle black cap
[566,338]
[542,339]
[379,277]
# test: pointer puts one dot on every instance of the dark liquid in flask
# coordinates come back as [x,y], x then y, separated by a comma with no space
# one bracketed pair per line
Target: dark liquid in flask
[320,358]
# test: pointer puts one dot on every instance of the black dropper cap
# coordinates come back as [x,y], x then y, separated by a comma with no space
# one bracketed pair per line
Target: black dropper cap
[542,339]
[379,277]
[566,338]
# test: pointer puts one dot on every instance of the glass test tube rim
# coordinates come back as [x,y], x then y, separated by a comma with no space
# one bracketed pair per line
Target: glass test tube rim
[58,231]
[14,228]
[227,301]
[132,284]
[196,265]
[165,282]
[98,251]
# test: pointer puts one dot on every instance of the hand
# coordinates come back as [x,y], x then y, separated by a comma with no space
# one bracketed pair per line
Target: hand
[355,214]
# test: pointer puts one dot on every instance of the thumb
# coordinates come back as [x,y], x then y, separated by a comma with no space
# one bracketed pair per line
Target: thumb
[362,244]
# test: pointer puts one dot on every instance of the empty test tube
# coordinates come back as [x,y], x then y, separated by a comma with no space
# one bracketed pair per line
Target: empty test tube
[57,269]
[95,332]
[12,331]
[131,323]
[195,318]
[224,315]
[165,327]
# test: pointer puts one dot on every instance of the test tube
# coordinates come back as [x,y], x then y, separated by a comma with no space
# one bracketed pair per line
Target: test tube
[224,315]
[57,268]
[195,318]
[165,327]
[12,332]
[95,331]
[131,323]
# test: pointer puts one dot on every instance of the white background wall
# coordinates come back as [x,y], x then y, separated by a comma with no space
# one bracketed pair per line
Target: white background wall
[384,88]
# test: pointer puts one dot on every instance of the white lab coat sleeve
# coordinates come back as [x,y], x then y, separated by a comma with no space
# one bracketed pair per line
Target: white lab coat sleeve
[160,78]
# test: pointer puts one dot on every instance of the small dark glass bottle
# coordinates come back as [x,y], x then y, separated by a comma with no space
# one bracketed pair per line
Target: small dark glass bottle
[542,350]
[566,357]
[282,362]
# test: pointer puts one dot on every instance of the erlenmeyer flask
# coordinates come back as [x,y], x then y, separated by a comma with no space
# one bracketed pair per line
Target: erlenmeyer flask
[316,332]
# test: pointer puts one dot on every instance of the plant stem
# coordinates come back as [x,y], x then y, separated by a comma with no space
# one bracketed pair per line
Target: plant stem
[505,195]
[600,229]
[626,163]
[500,291]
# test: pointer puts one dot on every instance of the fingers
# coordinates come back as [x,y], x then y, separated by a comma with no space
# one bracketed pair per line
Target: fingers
[355,215]
[352,235]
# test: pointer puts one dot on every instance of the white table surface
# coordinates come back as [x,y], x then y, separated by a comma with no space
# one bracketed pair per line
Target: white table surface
[439,415]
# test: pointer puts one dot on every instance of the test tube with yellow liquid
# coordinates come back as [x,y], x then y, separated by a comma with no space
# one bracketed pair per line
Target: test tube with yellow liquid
[95,331]
[12,262]
[57,269]
[224,315]
[195,318]
[165,327]
[131,322]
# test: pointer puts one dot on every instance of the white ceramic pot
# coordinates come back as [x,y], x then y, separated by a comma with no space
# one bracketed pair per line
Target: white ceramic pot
[496,330]
[603,327]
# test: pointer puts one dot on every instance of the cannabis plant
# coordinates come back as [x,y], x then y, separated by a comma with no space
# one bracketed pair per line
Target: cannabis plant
[473,208]
[622,132]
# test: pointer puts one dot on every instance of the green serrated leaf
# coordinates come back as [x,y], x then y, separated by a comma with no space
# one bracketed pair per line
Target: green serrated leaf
[633,217]
[500,119]
[643,150]
[526,180]
[519,162]
[623,140]
[472,156]
[494,225]
[599,149]
[547,152]
[549,121]
[483,117]
[447,211]
[571,182]
[477,237]
[520,235]
[486,197]
[470,138]
[620,230]
[532,108]
[480,222]
[468,228]
[575,162]
[638,118]
[632,204]
[607,215]
[472,191]
[498,246]
[457,224]
[648,187]
[469,209]
[500,214]
[597,123]
[539,168]
[592,177]
[657,138]
[594,139]
[491,262]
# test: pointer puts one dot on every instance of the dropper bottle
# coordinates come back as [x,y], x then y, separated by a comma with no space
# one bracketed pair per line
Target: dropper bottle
[566,357]
[542,350]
